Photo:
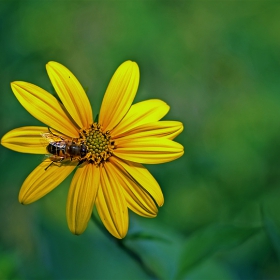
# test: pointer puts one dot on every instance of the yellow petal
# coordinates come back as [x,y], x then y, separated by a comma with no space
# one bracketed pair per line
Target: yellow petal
[71,93]
[41,180]
[148,150]
[81,197]
[142,177]
[141,113]
[137,198]
[119,95]
[165,129]
[44,107]
[27,139]
[111,204]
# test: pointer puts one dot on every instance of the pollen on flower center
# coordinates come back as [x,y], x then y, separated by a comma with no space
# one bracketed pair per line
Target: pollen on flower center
[99,144]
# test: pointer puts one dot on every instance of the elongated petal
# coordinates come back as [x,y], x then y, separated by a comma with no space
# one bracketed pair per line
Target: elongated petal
[141,113]
[142,177]
[148,150]
[111,204]
[44,107]
[81,197]
[71,93]
[137,198]
[43,179]
[165,129]
[119,95]
[27,139]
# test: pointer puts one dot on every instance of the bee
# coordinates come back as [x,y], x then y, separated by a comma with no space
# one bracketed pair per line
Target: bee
[61,148]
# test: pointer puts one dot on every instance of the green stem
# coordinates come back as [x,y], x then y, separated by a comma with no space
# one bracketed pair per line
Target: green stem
[121,244]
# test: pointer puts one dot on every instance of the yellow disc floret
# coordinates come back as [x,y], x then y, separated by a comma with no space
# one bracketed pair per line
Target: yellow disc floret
[99,144]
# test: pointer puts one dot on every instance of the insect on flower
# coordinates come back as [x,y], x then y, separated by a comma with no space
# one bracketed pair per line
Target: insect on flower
[61,148]
[106,153]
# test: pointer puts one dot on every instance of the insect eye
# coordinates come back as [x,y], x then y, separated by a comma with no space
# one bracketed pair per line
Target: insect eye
[83,150]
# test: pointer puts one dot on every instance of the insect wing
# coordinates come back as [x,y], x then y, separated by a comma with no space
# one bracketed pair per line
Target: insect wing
[49,138]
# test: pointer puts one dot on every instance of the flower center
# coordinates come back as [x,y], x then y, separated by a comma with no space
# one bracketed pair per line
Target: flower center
[99,144]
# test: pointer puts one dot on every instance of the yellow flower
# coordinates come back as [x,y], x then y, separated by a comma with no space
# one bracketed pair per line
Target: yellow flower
[109,172]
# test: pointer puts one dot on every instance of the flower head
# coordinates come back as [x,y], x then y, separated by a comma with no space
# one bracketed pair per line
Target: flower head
[107,155]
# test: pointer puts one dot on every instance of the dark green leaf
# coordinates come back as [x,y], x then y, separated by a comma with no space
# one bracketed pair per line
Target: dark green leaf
[208,241]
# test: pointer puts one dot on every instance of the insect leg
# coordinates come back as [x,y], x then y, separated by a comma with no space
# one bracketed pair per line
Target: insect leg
[55,159]
[49,165]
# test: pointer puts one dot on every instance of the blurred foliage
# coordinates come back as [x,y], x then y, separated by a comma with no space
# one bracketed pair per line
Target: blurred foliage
[217,63]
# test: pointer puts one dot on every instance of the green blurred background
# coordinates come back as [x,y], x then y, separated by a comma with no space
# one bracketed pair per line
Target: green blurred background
[217,64]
